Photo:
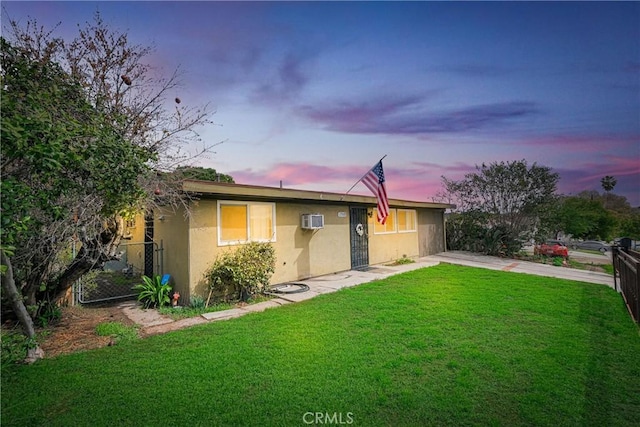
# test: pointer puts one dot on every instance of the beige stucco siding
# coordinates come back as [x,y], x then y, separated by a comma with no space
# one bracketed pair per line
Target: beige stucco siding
[299,253]
[191,243]
[307,253]
[171,230]
[384,248]
[431,231]
[203,242]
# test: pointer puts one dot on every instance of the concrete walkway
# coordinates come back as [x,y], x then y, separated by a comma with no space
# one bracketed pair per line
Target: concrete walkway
[516,266]
[153,323]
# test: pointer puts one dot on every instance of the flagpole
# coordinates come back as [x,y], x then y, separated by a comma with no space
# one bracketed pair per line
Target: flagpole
[353,186]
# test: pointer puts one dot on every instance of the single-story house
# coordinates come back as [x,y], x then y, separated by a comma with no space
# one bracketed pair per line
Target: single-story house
[314,233]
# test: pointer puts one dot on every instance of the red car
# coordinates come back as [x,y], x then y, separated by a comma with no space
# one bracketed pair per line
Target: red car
[551,249]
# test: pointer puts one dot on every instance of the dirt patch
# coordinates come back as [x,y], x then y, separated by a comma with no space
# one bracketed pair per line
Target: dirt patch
[76,330]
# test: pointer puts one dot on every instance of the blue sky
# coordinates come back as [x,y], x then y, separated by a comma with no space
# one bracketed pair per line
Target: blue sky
[314,93]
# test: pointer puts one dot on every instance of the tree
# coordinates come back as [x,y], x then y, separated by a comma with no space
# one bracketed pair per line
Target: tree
[66,172]
[584,218]
[203,174]
[608,183]
[57,153]
[630,226]
[86,133]
[509,197]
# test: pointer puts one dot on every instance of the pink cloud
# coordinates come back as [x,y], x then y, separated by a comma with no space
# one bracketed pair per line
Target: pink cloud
[419,182]
[422,181]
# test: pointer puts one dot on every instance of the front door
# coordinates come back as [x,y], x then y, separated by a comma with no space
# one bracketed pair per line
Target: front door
[359,238]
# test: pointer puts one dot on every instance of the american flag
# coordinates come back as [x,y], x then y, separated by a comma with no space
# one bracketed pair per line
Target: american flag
[374,180]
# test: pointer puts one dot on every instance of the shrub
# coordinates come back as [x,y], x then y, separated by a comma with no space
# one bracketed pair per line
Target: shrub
[152,293]
[13,346]
[49,315]
[470,231]
[242,273]
[402,261]
[196,302]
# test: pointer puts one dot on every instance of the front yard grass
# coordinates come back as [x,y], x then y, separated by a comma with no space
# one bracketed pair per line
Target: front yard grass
[446,345]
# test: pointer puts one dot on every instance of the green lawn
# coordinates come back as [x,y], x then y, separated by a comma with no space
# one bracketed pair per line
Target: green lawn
[445,345]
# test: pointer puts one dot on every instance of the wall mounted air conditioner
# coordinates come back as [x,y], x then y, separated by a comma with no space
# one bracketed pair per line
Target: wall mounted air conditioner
[312,221]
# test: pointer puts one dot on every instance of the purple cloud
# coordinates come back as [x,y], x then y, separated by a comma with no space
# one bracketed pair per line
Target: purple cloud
[286,83]
[419,181]
[407,115]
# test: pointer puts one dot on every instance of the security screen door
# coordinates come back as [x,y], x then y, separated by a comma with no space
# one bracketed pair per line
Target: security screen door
[359,238]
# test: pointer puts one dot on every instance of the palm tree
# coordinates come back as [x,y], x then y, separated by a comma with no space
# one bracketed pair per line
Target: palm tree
[608,183]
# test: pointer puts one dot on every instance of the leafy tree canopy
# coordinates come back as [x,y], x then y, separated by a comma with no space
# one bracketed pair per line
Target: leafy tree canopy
[204,174]
[509,197]
[585,218]
[87,132]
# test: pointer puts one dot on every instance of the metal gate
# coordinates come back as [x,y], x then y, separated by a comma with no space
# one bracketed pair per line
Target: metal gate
[359,238]
[116,279]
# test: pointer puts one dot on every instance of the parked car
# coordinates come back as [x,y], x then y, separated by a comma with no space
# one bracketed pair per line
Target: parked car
[551,248]
[592,245]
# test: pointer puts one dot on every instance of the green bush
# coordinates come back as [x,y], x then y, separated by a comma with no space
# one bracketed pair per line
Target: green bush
[471,231]
[13,346]
[402,261]
[197,302]
[50,314]
[152,293]
[242,273]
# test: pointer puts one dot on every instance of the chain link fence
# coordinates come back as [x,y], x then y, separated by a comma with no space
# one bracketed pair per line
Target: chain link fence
[116,279]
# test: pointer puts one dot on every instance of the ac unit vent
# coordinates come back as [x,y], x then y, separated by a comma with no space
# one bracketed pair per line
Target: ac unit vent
[312,221]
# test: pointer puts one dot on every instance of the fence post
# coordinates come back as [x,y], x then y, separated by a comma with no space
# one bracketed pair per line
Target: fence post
[637,292]
[614,255]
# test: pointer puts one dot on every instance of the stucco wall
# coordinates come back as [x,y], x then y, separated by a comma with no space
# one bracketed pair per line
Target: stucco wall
[384,248]
[171,229]
[299,253]
[308,253]
[203,239]
[430,231]
[191,245]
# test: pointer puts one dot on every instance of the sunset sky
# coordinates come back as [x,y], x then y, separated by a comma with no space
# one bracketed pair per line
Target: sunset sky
[315,93]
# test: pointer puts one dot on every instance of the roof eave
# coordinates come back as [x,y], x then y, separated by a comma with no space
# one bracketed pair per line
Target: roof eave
[218,189]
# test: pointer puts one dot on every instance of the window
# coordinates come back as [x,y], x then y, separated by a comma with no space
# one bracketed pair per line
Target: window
[241,222]
[406,220]
[388,227]
[398,221]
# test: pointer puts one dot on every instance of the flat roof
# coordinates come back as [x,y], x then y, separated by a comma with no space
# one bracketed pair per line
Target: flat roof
[255,192]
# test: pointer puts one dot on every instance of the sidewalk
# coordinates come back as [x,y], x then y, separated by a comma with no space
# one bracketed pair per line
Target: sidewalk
[153,323]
